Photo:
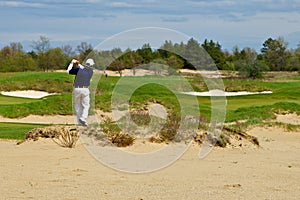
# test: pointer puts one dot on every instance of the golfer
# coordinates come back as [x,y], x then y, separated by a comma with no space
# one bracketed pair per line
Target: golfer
[81,98]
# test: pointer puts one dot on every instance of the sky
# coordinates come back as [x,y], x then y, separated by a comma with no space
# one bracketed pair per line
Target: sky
[229,22]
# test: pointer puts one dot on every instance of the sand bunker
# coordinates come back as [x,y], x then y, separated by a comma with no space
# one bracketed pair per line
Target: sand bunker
[44,170]
[32,94]
[291,118]
[222,93]
[45,119]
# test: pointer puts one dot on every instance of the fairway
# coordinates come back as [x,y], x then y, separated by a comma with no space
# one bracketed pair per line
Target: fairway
[16,131]
[5,100]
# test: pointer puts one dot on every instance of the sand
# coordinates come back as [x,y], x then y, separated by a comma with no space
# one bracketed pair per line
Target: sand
[47,119]
[291,118]
[32,94]
[227,94]
[43,170]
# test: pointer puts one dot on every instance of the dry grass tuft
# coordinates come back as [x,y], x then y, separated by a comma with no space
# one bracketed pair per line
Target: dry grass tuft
[65,136]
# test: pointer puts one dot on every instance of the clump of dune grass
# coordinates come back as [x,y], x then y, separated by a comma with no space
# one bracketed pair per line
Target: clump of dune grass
[113,133]
[65,136]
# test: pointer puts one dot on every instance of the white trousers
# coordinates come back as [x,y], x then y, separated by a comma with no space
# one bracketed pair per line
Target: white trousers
[81,103]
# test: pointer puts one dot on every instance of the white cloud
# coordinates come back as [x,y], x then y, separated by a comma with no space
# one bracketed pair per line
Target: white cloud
[215,3]
[231,22]
[21,4]
[123,4]
[93,1]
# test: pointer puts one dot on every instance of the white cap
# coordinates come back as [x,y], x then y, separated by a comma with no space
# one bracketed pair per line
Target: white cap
[90,62]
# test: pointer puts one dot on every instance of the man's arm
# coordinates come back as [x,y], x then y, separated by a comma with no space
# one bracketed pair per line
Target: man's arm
[71,65]
[80,66]
[74,71]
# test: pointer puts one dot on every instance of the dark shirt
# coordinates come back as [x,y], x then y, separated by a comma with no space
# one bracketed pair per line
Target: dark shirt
[83,76]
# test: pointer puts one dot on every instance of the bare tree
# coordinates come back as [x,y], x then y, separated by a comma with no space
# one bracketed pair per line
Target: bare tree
[16,47]
[42,45]
[83,47]
[68,50]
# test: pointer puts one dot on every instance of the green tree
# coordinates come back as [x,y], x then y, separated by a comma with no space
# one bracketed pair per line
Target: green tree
[145,53]
[24,62]
[41,46]
[194,55]
[55,59]
[215,51]
[103,59]
[172,54]
[6,59]
[131,59]
[175,62]
[275,54]
[16,47]
[13,59]
[252,70]
[293,63]
[248,65]
[168,46]
[180,49]
[116,63]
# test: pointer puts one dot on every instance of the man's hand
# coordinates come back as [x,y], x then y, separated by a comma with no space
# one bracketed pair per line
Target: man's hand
[74,61]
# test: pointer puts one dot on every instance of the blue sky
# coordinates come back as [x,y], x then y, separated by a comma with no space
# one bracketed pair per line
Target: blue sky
[231,22]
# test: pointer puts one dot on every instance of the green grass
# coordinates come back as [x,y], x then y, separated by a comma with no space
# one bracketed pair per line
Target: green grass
[253,108]
[9,74]
[152,89]
[16,131]
[53,82]
[285,96]
[52,105]
[6,100]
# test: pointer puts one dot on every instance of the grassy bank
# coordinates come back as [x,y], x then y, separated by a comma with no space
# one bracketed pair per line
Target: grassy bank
[52,105]
[52,82]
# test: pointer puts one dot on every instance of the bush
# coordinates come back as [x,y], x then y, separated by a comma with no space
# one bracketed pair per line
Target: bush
[252,69]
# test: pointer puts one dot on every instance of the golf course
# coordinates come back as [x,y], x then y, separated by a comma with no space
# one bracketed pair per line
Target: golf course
[150,100]
[234,168]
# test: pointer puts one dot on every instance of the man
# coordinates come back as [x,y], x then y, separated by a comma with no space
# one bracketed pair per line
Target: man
[81,91]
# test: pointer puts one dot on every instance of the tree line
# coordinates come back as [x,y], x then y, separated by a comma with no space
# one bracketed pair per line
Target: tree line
[273,56]
[42,57]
